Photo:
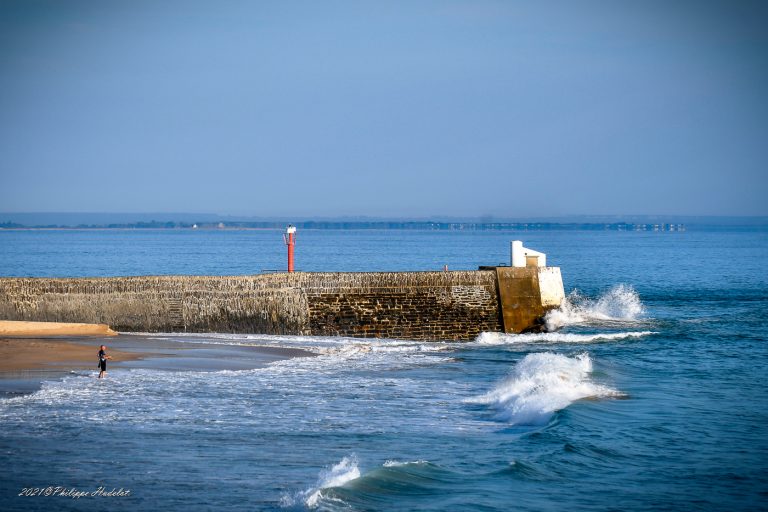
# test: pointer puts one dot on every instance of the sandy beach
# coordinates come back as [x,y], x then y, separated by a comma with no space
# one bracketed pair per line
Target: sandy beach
[45,329]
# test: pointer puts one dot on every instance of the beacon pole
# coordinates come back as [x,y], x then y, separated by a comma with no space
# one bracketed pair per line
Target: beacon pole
[290,240]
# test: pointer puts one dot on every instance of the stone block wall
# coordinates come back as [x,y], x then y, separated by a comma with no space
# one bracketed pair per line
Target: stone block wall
[413,305]
[418,305]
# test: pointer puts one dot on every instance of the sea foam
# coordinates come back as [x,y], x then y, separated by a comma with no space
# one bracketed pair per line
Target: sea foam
[541,384]
[499,338]
[619,304]
[396,463]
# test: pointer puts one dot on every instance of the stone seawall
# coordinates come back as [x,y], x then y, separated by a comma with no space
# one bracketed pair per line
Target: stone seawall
[414,305]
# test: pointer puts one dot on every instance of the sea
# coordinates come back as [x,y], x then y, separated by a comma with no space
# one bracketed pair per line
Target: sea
[649,393]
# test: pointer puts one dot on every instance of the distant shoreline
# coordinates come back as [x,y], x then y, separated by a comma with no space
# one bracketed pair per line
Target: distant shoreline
[406,226]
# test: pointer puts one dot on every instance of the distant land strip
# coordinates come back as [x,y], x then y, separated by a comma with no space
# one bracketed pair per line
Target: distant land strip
[394,225]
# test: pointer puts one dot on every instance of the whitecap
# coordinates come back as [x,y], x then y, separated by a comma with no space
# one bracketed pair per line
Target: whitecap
[335,476]
[541,384]
[499,338]
[396,463]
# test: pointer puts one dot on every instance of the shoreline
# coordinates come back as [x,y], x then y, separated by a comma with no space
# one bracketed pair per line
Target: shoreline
[39,354]
[26,363]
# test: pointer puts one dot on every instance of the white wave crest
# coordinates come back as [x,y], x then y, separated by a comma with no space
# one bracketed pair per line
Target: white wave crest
[541,384]
[619,304]
[499,338]
[335,476]
[396,463]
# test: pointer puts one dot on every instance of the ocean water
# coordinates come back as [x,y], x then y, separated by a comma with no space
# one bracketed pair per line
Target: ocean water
[649,393]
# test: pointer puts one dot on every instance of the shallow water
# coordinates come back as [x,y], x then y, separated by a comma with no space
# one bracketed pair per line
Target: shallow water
[650,396]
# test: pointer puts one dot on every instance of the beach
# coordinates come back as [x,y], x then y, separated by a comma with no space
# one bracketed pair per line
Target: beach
[20,354]
[32,329]
[25,363]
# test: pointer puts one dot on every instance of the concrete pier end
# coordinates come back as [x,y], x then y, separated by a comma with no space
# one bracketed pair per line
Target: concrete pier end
[525,296]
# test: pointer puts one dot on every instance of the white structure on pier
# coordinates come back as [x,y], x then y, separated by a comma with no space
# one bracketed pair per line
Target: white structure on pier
[550,279]
[524,257]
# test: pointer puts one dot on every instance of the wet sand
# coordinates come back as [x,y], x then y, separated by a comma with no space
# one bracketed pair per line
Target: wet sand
[26,363]
[19,354]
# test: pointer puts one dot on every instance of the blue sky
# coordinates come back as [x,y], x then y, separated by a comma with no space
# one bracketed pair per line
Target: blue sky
[396,109]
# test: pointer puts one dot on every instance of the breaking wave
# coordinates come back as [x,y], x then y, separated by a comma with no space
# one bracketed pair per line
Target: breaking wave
[335,476]
[499,338]
[619,304]
[540,385]
[343,487]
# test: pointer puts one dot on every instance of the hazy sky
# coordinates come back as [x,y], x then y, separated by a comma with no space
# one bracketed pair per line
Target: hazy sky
[413,108]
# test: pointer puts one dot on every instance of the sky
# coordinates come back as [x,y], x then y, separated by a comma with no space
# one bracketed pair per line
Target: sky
[389,109]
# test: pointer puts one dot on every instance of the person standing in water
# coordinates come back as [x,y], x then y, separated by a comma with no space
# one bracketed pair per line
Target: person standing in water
[103,361]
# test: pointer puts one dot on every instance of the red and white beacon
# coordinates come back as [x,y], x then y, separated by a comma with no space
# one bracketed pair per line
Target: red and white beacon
[290,240]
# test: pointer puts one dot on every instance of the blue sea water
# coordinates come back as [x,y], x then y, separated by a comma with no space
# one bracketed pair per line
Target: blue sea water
[650,394]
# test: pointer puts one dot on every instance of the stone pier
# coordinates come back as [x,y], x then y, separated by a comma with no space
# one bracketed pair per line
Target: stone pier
[455,305]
